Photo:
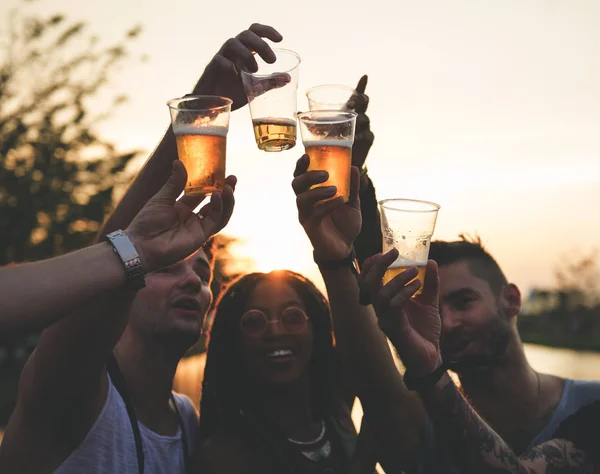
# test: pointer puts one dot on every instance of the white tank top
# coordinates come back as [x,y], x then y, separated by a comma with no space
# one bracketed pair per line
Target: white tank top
[109,447]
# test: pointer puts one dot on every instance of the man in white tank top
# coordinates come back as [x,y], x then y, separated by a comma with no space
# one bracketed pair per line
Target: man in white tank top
[71,415]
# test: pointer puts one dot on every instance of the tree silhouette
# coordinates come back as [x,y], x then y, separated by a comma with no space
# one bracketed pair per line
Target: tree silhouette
[57,176]
[578,277]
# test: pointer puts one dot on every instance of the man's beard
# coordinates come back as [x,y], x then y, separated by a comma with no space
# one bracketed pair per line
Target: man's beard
[494,340]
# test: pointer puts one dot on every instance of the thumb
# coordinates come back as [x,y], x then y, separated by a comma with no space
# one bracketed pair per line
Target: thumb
[175,184]
[362,84]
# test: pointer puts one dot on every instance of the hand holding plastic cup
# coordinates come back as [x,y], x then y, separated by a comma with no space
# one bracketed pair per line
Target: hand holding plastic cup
[271,93]
[407,225]
[328,136]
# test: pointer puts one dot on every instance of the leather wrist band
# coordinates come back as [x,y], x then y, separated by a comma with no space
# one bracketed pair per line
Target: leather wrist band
[418,384]
[349,261]
[124,248]
[427,381]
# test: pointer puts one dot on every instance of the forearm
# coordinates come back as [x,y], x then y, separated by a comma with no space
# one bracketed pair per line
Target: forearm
[478,449]
[396,415]
[147,183]
[369,241]
[35,295]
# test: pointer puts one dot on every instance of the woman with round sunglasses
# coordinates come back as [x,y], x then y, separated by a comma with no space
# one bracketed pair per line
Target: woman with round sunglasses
[273,397]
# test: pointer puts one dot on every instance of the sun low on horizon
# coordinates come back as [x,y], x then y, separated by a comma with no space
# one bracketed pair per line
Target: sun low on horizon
[491,109]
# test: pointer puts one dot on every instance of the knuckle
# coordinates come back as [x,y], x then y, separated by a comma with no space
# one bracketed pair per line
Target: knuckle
[231,42]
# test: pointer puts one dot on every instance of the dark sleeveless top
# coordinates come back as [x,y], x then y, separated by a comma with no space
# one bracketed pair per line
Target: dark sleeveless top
[279,456]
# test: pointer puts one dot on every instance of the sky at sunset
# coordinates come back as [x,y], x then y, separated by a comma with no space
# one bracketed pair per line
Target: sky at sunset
[489,108]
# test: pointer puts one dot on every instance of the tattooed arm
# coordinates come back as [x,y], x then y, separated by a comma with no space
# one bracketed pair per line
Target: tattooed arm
[478,449]
[413,325]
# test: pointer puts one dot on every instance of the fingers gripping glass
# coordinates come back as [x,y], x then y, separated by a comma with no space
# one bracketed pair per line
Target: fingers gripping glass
[254,323]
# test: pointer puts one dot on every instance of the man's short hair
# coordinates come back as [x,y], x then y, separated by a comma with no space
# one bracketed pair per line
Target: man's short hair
[472,251]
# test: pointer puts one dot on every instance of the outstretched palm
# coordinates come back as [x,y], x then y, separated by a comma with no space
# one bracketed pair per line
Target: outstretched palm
[412,324]
[166,231]
[333,235]
[417,335]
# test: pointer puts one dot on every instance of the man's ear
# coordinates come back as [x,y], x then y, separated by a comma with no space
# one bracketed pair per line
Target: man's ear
[511,301]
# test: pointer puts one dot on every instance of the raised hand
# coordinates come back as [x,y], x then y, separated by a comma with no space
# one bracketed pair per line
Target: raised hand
[363,136]
[412,324]
[168,230]
[222,77]
[332,225]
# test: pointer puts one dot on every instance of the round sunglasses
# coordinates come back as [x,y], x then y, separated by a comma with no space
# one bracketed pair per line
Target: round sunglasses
[254,322]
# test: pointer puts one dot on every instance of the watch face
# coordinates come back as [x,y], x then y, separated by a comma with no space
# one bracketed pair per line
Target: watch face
[130,259]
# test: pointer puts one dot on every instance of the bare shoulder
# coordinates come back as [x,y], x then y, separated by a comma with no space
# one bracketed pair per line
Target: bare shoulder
[38,441]
[224,452]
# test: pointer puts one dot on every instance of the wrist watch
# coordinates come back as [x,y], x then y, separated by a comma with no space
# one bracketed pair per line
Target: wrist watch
[349,261]
[424,382]
[124,248]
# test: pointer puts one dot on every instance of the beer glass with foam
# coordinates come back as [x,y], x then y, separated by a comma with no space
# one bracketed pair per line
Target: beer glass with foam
[271,93]
[328,136]
[329,97]
[407,225]
[200,124]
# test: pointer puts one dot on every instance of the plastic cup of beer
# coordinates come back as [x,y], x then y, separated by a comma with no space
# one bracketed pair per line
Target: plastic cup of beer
[328,136]
[407,225]
[200,124]
[271,93]
[329,97]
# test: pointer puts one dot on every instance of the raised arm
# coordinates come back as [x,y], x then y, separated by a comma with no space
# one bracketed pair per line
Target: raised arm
[413,324]
[33,296]
[477,448]
[368,242]
[396,416]
[220,77]
[62,387]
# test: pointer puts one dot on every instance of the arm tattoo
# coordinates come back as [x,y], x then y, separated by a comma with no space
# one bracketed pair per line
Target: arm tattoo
[476,448]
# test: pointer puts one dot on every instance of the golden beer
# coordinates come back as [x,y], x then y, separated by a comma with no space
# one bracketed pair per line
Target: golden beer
[274,134]
[393,271]
[334,156]
[202,151]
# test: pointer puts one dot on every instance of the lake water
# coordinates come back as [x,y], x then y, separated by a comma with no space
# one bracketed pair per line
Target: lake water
[561,362]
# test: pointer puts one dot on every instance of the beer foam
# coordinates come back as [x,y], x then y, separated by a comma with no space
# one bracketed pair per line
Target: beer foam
[191,129]
[340,143]
[403,262]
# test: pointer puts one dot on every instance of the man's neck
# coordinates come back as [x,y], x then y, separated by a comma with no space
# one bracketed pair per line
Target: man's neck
[149,369]
[508,396]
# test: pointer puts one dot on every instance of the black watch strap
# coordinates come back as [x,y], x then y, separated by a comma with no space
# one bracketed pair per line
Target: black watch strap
[349,261]
[425,382]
